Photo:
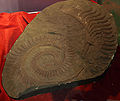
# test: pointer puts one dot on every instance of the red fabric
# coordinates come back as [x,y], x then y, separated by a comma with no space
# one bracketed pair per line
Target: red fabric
[94,1]
[13,24]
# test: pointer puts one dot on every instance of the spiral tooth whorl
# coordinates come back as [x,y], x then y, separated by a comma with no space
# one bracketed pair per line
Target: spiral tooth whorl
[83,49]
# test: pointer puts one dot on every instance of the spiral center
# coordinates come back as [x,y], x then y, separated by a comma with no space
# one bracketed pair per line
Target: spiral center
[46,61]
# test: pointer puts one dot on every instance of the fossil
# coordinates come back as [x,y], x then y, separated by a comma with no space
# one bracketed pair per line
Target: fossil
[68,41]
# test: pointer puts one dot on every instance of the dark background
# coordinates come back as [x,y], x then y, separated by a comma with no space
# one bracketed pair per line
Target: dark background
[26,5]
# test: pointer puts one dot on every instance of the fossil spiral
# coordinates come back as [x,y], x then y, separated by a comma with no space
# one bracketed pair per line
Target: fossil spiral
[68,41]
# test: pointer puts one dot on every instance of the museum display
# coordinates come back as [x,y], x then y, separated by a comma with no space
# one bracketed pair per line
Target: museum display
[68,41]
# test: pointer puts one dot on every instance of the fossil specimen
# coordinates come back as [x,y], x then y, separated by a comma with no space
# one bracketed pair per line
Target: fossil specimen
[68,41]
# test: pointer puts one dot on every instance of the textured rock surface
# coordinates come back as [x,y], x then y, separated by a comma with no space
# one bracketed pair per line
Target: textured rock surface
[114,7]
[68,41]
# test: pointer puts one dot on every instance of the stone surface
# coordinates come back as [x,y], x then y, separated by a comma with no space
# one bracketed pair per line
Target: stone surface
[68,41]
[113,6]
